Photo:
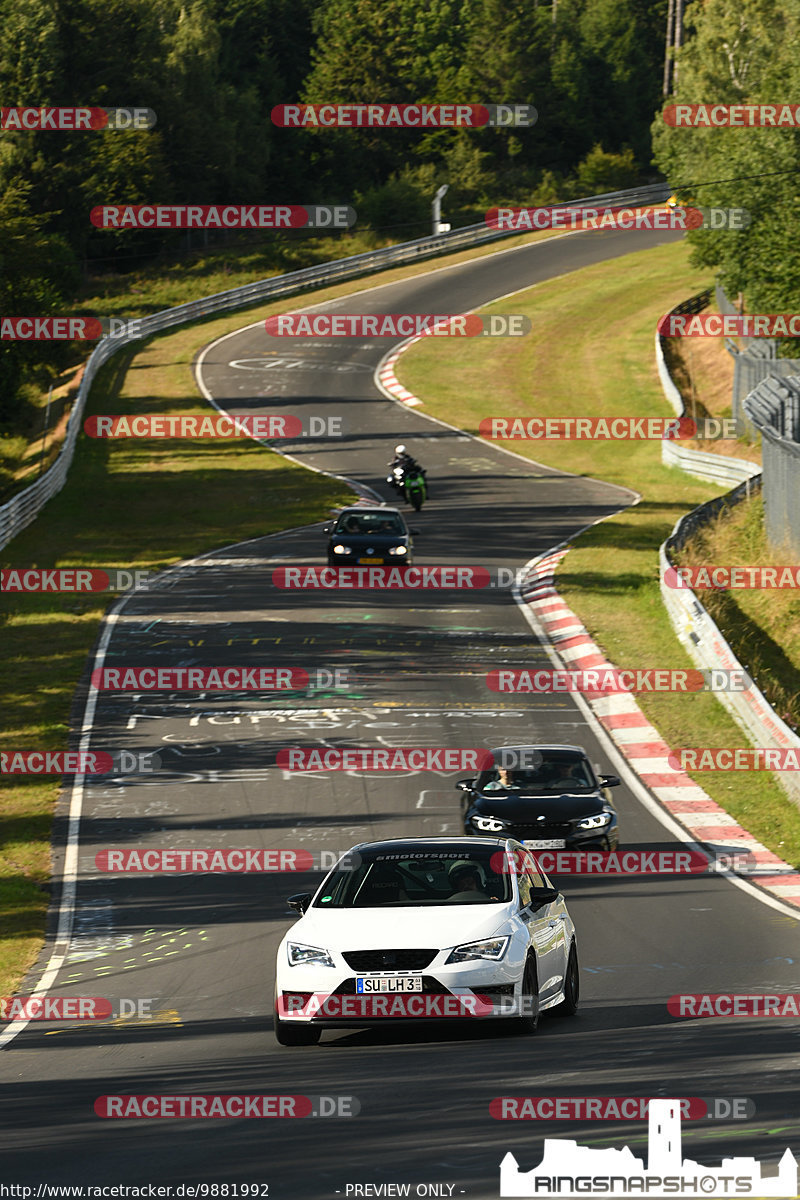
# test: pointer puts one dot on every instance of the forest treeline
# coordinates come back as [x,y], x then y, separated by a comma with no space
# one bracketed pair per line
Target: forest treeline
[212,70]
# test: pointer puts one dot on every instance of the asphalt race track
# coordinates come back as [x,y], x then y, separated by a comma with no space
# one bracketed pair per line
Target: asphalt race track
[201,948]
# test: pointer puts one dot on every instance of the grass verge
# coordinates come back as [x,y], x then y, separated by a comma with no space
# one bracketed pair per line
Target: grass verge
[610,579]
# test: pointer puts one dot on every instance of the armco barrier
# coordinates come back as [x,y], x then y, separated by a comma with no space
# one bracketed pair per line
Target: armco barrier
[708,649]
[22,509]
[774,409]
[714,468]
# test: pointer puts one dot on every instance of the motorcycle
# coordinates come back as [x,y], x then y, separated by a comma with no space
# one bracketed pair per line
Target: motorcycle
[416,489]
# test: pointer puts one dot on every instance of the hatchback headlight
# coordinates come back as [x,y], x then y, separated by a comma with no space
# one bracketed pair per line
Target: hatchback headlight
[307,956]
[398,550]
[488,824]
[490,948]
[342,549]
[596,822]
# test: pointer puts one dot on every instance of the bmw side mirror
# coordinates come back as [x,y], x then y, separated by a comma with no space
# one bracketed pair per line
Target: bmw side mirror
[299,902]
[465,785]
[610,781]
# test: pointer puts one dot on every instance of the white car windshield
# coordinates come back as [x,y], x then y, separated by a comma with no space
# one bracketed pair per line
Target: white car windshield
[381,879]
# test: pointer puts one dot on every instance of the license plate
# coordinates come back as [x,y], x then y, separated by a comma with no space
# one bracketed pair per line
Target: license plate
[544,844]
[382,983]
[370,560]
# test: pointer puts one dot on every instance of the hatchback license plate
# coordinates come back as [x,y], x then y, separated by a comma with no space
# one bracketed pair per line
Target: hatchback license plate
[382,983]
[544,844]
[370,560]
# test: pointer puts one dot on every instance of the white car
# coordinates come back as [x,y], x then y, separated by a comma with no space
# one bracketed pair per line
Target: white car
[426,928]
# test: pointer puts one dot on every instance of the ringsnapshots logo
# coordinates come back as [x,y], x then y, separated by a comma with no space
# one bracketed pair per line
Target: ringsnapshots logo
[404,116]
[78,762]
[570,1170]
[76,120]
[529,220]
[732,116]
[730,325]
[73,579]
[224,426]
[397,325]
[223,216]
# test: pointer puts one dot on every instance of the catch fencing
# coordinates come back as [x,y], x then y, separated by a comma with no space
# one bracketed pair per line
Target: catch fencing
[774,409]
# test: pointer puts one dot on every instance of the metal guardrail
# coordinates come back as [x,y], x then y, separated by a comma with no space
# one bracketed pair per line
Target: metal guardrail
[23,508]
[774,409]
[707,647]
[714,468]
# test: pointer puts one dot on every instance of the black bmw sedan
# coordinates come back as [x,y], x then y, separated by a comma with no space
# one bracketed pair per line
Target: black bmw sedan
[369,535]
[547,797]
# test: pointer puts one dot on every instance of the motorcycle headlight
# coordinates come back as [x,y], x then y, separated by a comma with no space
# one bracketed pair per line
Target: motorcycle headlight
[398,550]
[490,948]
[596,822]
[488,824]
[307,956]
[339,549]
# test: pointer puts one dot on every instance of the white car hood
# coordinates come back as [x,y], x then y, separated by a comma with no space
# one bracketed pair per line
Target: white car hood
[434,926]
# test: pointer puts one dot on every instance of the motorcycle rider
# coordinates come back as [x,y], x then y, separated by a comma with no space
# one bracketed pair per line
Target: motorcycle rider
[408,463]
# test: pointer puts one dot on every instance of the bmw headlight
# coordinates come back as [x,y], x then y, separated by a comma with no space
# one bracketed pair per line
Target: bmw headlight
[597,822]
[488,824]
[490,948]
[398,550]
[307,956]
[340,549]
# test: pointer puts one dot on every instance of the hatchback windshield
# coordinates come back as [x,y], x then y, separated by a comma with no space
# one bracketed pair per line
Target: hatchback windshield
[380,879]
[369,523]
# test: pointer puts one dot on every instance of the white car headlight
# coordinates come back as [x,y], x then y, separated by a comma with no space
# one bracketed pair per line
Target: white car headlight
[342,549]
[399,550]
[488,824]
[596,822]
[303,956]
[491,948]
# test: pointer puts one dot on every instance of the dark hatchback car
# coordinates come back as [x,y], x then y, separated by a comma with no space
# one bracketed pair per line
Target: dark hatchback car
[369,535]
[548,799]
